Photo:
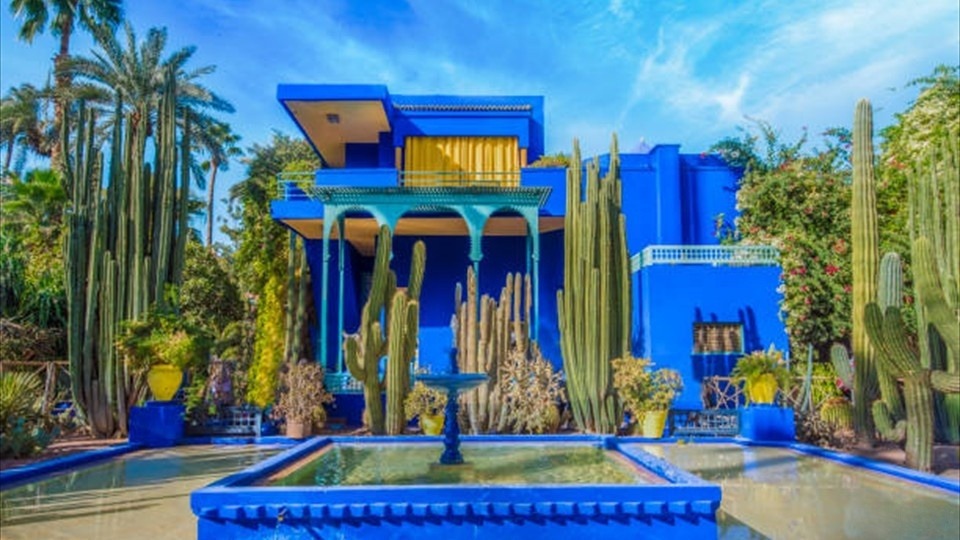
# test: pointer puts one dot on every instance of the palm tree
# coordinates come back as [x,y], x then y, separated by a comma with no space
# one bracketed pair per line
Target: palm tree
[220,143]
[22,122]
[66,15]
[135,72]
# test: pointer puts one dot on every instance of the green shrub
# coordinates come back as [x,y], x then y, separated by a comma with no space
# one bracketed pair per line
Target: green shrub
[643,390]
[26,430]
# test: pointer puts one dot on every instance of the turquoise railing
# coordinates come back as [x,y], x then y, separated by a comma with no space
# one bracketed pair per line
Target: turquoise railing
[293,186]
[713,255]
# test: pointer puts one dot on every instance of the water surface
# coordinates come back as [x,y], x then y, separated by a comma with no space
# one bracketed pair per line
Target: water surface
[779,493]
[501,464]
[144,494]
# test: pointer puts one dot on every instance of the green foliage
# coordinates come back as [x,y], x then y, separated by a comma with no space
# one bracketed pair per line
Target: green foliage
[798,202]
[26,429]
[163,336]
[643,390]
[423,400]
[31,234]
[209,295]
[559,159]
[261,243]
[262,378]
[302,394]
[755,365]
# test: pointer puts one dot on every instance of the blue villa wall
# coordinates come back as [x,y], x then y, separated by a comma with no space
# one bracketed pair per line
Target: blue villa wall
[669,198]
[673,297]
[447,262]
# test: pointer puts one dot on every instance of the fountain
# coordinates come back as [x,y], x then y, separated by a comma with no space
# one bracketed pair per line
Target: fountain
[547,486]
[452,383]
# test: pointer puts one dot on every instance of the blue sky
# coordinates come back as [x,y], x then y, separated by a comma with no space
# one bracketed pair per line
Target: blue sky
[654,71]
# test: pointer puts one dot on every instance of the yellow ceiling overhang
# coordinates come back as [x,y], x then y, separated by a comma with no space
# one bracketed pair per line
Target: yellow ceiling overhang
[361,232]
[330,125]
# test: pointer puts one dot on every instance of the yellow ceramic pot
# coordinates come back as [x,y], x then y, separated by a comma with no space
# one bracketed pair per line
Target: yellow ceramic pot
[164,380]
[763,389]
[431,424]
[653,423]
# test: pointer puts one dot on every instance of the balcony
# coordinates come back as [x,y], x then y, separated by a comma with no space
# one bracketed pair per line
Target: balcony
[299,186]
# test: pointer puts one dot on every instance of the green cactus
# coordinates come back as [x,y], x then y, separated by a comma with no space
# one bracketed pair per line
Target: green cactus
[404,323]
[841,363]
[122,247]
[363,350]
[594,305]
[863,217]
[889,334]
[935,233]
[888,412]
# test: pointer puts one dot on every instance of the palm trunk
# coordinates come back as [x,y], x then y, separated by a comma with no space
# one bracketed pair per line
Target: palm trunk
[214,165]
[9,156]
[63,83]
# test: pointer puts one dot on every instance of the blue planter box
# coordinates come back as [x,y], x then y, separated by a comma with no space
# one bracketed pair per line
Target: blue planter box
[158,424]
[767,423]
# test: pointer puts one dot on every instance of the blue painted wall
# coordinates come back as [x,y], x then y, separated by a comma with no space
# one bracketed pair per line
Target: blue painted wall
[673,297]
[447,262]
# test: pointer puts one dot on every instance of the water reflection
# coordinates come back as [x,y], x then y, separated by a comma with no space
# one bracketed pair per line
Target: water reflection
[783,494]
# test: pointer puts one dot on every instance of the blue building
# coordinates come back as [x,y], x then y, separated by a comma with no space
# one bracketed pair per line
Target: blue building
[454,171]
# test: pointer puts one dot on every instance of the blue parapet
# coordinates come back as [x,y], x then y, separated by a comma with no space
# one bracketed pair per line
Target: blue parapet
[158,424]
[767,423]
[678,505]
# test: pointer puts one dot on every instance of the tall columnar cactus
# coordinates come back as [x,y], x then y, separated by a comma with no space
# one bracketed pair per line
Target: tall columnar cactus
[364,349]
[935,233]
[123,247]
[594,305]
[863,217]
[888,412]
[484,342]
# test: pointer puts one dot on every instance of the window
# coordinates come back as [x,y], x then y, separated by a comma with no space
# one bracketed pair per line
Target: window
[717,338]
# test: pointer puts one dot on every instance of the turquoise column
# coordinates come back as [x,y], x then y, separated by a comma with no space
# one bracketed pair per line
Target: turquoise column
[325,282]
[534,234]
[341,243]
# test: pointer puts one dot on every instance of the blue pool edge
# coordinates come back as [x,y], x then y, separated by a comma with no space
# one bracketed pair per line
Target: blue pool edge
[17,476]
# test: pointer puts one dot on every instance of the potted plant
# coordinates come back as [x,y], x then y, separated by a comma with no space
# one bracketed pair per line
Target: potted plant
[646,394]
[302,397]
[162,345]
[763,372]
[427,404]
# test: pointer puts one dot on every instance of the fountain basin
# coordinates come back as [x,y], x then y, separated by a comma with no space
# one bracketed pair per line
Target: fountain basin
[660,501]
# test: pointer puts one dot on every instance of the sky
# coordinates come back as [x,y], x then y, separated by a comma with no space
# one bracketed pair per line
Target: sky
[670,72]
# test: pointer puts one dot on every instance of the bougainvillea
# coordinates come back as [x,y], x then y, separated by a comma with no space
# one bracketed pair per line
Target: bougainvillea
[799,203]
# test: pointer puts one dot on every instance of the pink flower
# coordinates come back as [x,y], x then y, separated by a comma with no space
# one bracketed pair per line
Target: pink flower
[831,269]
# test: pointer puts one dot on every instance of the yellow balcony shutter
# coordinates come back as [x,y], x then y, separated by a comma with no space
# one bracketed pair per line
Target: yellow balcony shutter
[471,156]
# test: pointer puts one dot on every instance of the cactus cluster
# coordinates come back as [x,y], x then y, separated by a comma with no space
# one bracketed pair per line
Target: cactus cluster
[485,332]
[935,207]
[126,238]
[400,312]
[935,237]
[594,305]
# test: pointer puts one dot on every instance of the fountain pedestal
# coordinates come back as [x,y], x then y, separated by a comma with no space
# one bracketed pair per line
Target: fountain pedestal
[453,384]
